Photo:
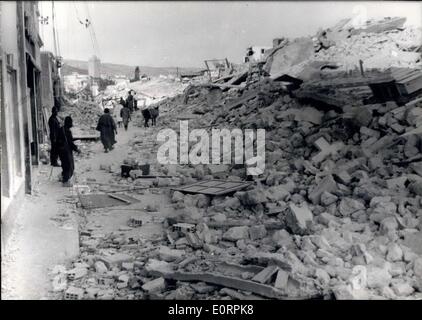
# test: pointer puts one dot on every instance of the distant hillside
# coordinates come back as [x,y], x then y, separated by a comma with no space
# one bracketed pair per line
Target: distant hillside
[111,69]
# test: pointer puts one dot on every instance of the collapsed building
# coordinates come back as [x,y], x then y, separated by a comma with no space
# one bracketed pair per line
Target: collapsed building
[337,213]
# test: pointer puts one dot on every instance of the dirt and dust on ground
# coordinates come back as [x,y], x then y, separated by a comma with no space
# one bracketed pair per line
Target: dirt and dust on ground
[337,213]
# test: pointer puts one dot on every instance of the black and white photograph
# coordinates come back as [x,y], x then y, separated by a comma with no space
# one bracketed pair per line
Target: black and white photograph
[232,151]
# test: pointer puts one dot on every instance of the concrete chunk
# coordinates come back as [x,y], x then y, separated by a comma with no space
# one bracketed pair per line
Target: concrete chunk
[155,286]
[299,219]
[236,233]
[257,232]
[327,184]
[170,255]
[265,275]
[281,280]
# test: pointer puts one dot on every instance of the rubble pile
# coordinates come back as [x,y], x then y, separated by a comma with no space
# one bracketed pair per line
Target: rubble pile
[393,48]
[150,91]
[337,213]
[380,44]
[85,114]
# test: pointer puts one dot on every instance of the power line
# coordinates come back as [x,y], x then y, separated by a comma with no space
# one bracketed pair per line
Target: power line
[92,31]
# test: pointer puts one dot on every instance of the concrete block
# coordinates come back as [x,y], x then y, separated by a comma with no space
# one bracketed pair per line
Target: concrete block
[170,255]
[236,233]
[76,273]
[74,293]
[257,232]
[281,280]
[155,286]
[265,275]
[327,184]
[299,219]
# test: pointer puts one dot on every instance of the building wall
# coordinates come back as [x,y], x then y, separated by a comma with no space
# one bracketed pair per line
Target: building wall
[47,74]
[258,54]
[13,106]
[21,95]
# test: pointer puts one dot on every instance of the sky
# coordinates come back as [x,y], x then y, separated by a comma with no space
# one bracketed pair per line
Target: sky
[184,34]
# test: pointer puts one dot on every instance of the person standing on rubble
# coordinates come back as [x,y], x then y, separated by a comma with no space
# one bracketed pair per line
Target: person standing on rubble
[107,128]
[66,146]
[125,114]
[54,125]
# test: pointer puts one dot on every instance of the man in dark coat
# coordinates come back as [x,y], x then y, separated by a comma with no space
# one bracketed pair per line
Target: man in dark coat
[107,128]
[122,101]
[66,146]
[129,101]
[54,126]
[135,101]
[125,114]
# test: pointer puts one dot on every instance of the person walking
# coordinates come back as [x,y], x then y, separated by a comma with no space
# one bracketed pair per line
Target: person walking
[125,114]
[107,128]
[54,125]
[66,146]
[129,101]
[117,114]
[122,101]
[135,101]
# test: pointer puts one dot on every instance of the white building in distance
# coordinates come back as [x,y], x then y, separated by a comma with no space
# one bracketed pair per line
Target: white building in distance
[94,67]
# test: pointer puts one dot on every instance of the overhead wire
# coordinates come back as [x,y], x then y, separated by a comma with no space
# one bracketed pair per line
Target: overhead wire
[54,29]
[92,31]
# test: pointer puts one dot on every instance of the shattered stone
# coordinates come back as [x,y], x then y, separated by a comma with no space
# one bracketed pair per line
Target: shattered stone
[388,225]
[236,233]
[328,198]
[401,288]
[417,267]
[416,187]
[155,286]
[281,279]
[348,206]
[396,183]
[77,273]
[252,197]
[265,275]
[127,266]
[177,196]
[59,282]
[299,219]
[322,276]
[170,255]
[327,184]
[378,277]
[394,252]
[283,238]
[325,218]
[74,293]
[257,232]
